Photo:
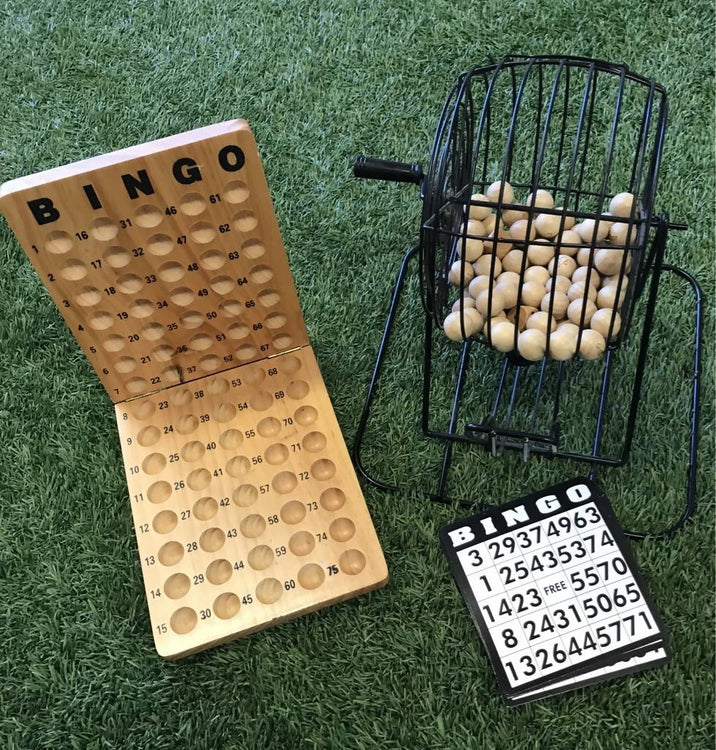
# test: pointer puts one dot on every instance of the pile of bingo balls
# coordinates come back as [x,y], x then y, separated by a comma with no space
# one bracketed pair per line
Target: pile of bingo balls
[569,278]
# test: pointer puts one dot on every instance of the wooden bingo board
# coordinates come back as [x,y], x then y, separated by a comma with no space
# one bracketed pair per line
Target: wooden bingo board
[555,592]
[167,264]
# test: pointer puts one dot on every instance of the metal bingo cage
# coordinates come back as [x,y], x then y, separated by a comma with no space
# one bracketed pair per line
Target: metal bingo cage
[584,131]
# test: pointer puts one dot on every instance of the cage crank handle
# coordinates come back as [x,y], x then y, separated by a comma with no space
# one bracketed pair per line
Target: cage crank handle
[392,171]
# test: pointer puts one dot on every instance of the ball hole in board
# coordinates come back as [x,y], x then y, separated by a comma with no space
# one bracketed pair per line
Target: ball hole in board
[148,436]
[183,620]
[170,271]
[216,386]
[116,257]
[268,427]
[172,374]
[253,249]
[305,415]
[282,341]
[301,543]
[153,331]
[202,232]
[142,409]
[290,364]
[154,463]
[148,216]
[276,454]
[104,229]
[293,512]
[224,412]
[113,343]
[226,605]
[192,319]
[205,508]
[193,450]
[73,270]
[180,397]
[199,479]
[261,274]
[323,469]
[141,308]
[159,492]
[219,572]
[332,499]
[238,466]
[342,529]
[235,191]
[182,296]
[88,296]
[212,260]
[245,495]
[231,308]
[246,352]
[259,558]
[269,591]
[222,284]
[311,576]
[192,204]
[165,521]
[261,401]
[163,352]
[137,385]
[187,424]
[352,562]
[268,298]
[125,365]
[209,363]
[170,554]
[275,320]
[252,526]
[58,243]
[212,539]
[314,442]
[254,375]
[177,585]
[245,221]
[160,244]
[101,320]
[297,389]
[238,331]
[284,482]
[230,439]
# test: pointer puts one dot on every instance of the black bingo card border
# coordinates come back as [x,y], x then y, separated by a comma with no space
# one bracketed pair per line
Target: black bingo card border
[538,509]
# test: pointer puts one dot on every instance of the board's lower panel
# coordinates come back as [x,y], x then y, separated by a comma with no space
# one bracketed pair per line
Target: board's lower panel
[246,505]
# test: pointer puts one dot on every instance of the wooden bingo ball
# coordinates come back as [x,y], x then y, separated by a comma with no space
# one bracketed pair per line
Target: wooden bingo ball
[461,273]
[569,221]
[579,289]
[468,324]
[519,230]
[462,302]
[539,253]
[489,223]
[539,320]
[509,277]
[591,344]
[483,266]
[547,225]
[536,273]
[585,255]
[493,192]
[520,315]
[513,261]
[502,335]
[509,292]
[608,261]
[512,215]
[478,284]
[569,242]
[479,212]
[498,247]
[583,272]
[532,293]
[621,204]
[491,322]
[602,320]
[586,230]
[607,297]
[559,306]
[531,344]
[470,249]
[560,283]
[540,199]
[613,280]
[562,266]
[620,234]
[490,303]
[563,343]
[581,307]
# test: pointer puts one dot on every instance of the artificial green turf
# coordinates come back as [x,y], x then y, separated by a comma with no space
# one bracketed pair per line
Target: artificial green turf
[402,667]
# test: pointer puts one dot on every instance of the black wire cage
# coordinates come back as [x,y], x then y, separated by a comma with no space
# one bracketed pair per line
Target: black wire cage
[582,131]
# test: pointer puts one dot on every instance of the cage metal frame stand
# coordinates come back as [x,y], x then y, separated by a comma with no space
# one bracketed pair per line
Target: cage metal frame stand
[498,438]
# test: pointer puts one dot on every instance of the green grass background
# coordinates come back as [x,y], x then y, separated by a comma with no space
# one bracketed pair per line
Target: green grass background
[402,667]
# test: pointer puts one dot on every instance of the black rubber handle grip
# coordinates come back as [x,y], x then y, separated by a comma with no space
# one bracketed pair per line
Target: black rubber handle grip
[393,171]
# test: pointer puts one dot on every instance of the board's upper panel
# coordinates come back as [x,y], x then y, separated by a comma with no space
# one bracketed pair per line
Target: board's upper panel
[165,259]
